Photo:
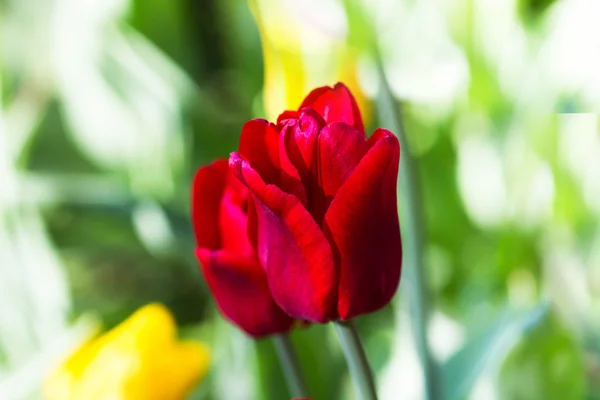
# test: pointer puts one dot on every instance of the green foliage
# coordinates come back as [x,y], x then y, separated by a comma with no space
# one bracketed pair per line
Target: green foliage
[531,11]
[550,360]
[492,338]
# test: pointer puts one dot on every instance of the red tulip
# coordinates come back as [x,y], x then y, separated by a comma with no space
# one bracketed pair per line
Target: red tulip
[323,216]
[228,261]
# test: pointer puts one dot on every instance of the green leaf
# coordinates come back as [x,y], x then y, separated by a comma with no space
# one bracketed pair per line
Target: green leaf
[546,364]
[461,371]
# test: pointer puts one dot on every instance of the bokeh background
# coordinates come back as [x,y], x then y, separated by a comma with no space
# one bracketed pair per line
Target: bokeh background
[109,106]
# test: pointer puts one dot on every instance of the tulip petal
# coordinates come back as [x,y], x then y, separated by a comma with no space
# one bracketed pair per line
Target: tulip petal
[292,249]
[232,216]
[298,149]
[259,145]
[287,114]
[290,181]
[335,104]
[252,224]
[207,191]
[299,136]
[340,149]
[362,226]
[239,286]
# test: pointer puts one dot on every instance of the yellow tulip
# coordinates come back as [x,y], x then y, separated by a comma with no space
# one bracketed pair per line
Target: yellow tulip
[299,57]
[141,359]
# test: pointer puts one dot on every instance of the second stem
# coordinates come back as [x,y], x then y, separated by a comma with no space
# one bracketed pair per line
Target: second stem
[356,359]
[290,365]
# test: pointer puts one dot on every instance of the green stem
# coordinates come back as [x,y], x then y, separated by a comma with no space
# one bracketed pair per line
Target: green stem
[413,235]
[289,363]
[357,360]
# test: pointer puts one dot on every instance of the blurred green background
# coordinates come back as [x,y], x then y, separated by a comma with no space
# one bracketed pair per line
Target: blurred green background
[109,106]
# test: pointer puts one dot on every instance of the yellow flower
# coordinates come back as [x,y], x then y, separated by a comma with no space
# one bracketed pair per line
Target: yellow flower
[141,359]
[298,56]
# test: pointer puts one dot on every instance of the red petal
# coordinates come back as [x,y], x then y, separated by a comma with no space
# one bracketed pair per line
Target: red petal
[362,225]
[259,145]
[298,151]
[207,191]
[341,147]
[252,224]
[300,140]
[287,114]
[240,288]
[292,249]
[290,181]
[233,218]
[335,104]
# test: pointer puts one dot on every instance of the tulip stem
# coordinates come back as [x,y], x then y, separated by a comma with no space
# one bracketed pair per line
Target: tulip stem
[291,366]
[356,359]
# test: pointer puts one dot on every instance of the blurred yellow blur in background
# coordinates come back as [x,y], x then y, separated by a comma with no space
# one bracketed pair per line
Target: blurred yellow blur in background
[139,359]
